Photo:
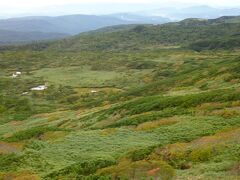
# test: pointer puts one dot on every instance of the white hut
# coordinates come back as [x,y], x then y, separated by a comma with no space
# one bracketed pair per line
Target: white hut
[14,75]
[93,91]
[39,88]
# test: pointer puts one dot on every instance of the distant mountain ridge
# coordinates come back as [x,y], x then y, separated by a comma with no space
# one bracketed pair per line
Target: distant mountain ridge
[63,26]
[13,37]
[47,27]
[74,24]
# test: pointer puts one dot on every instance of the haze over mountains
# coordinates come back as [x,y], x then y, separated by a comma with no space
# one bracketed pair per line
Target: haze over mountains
[74,24]
[36,28]
[46,27]
[204,11]
[11,37]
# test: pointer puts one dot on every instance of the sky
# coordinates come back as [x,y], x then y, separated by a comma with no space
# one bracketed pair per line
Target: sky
[37,3]
[55,7]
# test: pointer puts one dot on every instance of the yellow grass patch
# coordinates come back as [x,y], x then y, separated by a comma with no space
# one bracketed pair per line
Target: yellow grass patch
[25,175]
[155,124]
[107,132]
[139,169]
[227,112]
[200,148]
[106,122]
[231,135]
[182,91]
[82,112]
[52,136]
[225,77]
[51,116]
[207,106]
[16,123]
[236,103]
[139,115]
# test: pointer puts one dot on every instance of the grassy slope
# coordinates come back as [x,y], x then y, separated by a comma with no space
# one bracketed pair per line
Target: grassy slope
[169,113]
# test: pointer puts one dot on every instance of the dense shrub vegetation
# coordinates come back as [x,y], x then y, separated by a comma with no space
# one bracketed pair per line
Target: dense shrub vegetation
[133,102]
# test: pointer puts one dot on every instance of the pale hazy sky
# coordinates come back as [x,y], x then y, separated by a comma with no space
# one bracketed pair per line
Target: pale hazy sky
[16,8]
[37,3]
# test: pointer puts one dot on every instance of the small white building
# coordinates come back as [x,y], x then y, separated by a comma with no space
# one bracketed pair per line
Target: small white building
[39,88]
[93,91]
[14,75]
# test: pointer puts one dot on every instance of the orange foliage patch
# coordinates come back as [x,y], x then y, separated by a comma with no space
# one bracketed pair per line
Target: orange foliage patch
[153,171]
[10,147]
[25,175]
[16,123]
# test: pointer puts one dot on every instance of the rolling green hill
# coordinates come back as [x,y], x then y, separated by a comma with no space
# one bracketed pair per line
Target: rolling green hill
[189,32]
[128,102]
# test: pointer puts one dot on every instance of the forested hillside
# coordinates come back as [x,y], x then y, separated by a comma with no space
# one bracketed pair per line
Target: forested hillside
[127,102]
[197,34]
[13,37]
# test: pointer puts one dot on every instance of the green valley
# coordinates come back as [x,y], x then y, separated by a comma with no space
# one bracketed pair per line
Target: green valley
[128,102]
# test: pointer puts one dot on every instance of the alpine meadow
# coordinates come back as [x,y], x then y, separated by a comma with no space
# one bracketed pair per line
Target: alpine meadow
[133,101]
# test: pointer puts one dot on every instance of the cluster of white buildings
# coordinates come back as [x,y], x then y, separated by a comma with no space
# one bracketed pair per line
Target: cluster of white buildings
[37,88]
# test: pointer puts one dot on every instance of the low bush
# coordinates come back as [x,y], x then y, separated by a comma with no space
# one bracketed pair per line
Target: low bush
[83,170]
[9,162]
[201,155]
[139,170]
[34,132]
[139,154]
